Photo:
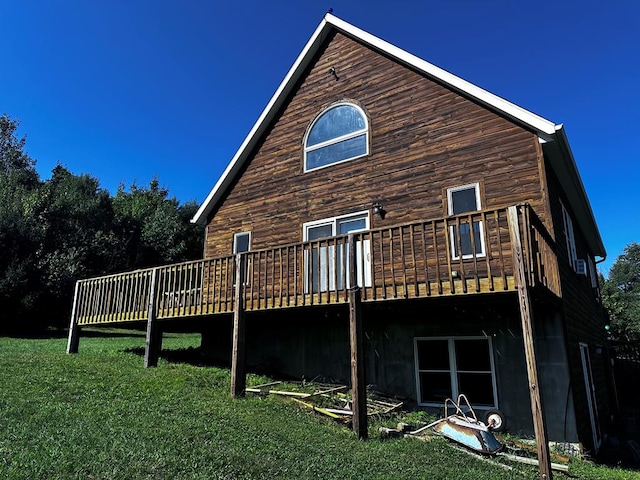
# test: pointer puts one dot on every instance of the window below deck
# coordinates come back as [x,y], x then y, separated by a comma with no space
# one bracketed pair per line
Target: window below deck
[449,366]
[339,134]
[466,237]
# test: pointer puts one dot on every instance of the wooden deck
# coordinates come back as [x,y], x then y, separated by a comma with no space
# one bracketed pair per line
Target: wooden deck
[410,261]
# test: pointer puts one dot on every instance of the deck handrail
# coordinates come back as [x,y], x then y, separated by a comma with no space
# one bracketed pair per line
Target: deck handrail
[459,254]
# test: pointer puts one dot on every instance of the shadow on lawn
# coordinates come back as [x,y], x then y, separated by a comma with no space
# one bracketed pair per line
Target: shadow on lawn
[189,355]
[55,333]
[195,356]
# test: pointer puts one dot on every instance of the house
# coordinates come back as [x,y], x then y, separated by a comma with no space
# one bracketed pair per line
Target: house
[458,217]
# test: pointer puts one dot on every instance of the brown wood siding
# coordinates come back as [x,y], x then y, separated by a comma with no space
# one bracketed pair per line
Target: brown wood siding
[583,313]
[424,139]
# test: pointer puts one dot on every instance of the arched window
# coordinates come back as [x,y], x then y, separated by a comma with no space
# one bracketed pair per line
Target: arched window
[339,134]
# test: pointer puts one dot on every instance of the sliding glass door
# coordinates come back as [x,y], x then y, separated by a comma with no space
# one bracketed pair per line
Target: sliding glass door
[326,263]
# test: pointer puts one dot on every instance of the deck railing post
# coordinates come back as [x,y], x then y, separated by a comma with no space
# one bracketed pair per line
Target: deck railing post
[238,357]
[153,343]
[526,314]
[358,389]
[74,329]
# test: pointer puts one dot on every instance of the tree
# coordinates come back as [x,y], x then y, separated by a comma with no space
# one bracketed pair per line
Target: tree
[19,231]
[153,228]
[19,240]
[76,219]
[55,232]
[13,159]
[621,294]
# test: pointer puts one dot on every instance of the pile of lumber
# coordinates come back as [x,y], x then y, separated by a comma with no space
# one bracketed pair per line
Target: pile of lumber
[333,401]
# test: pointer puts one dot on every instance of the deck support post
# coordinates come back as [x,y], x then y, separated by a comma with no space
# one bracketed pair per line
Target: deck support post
[358,388]
[526,315]
[74,329]
[238,355]
[153,343]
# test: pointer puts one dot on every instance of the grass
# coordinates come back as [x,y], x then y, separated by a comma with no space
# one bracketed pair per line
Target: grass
[101,415]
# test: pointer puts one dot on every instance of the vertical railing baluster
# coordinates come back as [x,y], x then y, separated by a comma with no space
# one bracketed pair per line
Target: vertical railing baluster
[383,265]
[487,246]
[363,263]
[304,267]
[425,259]
[416,288]
[133,292]
[373,264]
[458,240]
[273,277]
[403,262]
[249,280]
[392,261]
[126,311]
[436,251]
[447,243]
[229,291]
[100,300]
[210,289]
[503,271]
[472,231]
[89,309]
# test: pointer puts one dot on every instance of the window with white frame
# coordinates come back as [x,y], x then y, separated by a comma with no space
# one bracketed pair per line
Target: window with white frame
[567,224]
[326,263]
[338,134]
[467,240]
[449,366]
[241,242]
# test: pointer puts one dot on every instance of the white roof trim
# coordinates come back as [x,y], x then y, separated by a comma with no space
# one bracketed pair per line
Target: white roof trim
[545,129]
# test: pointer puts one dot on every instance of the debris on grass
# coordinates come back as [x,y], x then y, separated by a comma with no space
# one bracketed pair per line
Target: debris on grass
[261,389]
[333,401]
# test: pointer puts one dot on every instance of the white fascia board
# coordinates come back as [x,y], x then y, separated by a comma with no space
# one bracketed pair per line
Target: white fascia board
[261,124]
[537,122]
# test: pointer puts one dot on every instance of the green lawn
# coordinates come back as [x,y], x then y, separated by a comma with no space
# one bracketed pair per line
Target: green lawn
[101,415]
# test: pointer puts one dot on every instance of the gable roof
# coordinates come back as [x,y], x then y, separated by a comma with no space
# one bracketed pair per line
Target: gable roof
[549,133]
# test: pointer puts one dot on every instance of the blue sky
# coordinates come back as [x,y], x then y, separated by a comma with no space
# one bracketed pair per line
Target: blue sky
[132,90]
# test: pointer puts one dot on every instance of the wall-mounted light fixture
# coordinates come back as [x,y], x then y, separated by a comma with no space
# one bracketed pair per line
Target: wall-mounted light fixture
[378,209]
[332,71]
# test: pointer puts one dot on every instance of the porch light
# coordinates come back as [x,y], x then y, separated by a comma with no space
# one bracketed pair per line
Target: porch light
[378,210]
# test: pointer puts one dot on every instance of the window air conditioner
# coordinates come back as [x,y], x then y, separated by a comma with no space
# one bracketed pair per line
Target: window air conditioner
[581,267]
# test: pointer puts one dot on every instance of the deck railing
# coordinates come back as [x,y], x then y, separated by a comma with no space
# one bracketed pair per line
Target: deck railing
[458,255]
